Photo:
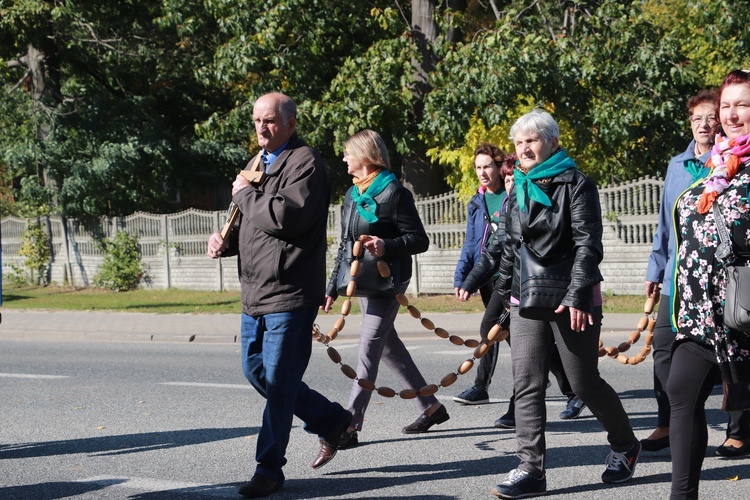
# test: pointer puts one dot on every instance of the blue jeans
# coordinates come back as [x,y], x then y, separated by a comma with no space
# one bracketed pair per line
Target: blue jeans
[276,350]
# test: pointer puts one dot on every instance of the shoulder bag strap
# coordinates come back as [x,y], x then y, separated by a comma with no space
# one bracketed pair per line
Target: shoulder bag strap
[724,250]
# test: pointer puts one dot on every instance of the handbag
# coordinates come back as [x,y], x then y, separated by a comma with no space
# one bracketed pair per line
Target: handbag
[544,284]
[737,297]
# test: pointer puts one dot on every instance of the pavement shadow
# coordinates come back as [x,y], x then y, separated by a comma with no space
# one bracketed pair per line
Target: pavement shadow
[361,484]
[122,444]
[52,490]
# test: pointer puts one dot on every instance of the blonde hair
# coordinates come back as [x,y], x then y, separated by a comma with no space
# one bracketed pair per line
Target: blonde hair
[368,147]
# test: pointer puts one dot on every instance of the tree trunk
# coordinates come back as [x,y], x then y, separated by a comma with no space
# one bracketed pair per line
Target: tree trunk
[41,80]
[419,176]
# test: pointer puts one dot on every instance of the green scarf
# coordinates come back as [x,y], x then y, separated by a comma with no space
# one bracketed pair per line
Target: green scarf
[365,202]
[554,165]
[696,169]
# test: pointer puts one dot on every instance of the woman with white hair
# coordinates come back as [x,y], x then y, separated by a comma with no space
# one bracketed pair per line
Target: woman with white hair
[549,275]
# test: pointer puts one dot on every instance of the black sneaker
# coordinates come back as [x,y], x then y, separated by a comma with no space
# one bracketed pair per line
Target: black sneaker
[621,466]
[348,440]
[474,395]
[573,409]
[507,421]
[520,484]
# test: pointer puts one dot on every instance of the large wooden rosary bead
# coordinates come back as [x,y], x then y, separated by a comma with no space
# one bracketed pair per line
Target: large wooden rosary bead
[622,358]
[334,355]
[386,392]
[449,379]
[481,350]
[623,347]
[339,325]
[471,343]
[346,307]
[401,298]
[651,324]
[357,249]
[648,306]
[456,340]
[465,366]
[354,270]
[428,324]
[602,352]
[351,288]
[504,334]
[649,338]
[612,352]
[383,269]
[635,336]
[414,312]
[643,323]
[428,390]
[365,384]
[332,334]
[349,371]
[442,333]
[408,394]
[494,333]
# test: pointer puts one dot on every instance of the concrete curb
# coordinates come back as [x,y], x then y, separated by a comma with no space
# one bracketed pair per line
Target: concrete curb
[224,328]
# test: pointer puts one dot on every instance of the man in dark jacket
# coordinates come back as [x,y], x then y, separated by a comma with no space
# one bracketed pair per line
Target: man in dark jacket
[281,242]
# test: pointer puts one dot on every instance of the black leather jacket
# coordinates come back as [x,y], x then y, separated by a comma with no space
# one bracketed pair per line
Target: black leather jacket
[571,226]
[398,225]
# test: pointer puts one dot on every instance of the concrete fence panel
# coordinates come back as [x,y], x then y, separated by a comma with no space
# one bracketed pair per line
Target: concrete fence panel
[173,246]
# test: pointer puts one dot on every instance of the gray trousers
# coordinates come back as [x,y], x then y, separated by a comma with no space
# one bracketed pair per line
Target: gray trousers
[533,343]
[379,340]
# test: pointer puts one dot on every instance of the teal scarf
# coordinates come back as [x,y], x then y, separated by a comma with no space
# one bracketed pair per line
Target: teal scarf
[365,202]
[554,165]
[696,169]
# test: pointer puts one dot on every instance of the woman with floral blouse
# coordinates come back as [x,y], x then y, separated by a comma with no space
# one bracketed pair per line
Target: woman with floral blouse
[704,346]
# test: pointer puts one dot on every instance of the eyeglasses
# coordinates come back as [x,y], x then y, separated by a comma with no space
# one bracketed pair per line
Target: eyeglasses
[698,119]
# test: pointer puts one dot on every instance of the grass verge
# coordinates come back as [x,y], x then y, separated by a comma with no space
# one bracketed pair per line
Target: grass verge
[173,301]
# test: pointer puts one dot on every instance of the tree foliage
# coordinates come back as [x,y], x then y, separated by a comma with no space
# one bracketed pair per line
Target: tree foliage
[133,101]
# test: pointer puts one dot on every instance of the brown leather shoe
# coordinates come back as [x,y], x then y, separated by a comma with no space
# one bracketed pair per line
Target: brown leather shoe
[259,486]
[326,453]
[329,445]
[424,422]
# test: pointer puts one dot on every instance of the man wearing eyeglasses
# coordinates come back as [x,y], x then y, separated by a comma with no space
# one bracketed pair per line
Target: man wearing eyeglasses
[684,169]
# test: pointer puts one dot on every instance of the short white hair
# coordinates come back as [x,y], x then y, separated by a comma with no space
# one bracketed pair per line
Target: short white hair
[536,121]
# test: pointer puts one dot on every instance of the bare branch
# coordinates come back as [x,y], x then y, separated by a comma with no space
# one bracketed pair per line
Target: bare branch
[20,82]
[401,10]
[520,14]
[497,12]
[546,23]
[96,39]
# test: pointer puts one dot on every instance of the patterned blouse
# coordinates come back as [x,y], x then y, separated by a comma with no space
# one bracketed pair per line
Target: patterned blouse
[700,277]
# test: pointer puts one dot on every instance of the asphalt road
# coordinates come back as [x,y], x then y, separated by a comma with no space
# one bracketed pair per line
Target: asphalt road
[141,420]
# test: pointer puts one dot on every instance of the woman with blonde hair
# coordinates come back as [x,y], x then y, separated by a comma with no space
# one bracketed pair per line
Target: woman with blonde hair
[379,208]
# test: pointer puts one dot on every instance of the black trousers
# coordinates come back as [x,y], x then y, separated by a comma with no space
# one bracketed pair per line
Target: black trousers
[691,379]
[494,309]
[738,426]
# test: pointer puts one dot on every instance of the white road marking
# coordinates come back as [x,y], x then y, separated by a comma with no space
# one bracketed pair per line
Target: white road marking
[153,485]
[220,386]
[31,375]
